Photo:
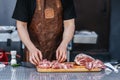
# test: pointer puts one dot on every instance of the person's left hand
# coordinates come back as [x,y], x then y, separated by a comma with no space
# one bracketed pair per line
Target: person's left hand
[61,53]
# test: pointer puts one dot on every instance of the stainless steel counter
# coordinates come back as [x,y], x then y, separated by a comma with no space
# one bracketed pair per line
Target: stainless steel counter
[22,73]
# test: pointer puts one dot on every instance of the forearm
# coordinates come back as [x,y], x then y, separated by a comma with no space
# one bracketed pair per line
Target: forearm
[69,28]
[24,36]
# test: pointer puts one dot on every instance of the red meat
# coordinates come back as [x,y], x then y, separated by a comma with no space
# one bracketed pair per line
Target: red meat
[98,64]
[82,59]
[54,65]
[62,65]
[88,61]
[45,64]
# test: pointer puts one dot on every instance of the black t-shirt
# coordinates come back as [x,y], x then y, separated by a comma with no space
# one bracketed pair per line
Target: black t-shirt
[24,10]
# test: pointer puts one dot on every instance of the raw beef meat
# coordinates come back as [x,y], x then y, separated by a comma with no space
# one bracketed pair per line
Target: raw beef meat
[88,61]
[82,59]
[98,64]
[58,65]
[95,64]
[45,64]
[89,65]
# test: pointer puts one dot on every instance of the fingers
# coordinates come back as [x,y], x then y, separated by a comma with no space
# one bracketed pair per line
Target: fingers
[64,57]
[32,61]
[57,54]
[35,57]
[40,55]
[61,55]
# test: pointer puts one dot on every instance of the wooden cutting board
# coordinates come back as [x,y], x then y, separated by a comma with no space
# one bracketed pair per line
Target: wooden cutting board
[74,69]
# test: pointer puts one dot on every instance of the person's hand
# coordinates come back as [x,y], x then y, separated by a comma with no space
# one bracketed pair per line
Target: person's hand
[35,56]
[61,53]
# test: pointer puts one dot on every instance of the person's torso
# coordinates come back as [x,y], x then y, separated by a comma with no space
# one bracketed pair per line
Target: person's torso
[31,5]
[45,29]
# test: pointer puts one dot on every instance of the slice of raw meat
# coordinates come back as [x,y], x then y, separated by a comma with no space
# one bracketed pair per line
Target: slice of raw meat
[98,64]
[89,65]
[45,64]
[88,61]
[57,65]
[83,59]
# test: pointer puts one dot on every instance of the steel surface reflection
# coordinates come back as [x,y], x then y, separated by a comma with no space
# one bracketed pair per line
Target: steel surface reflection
[66,76]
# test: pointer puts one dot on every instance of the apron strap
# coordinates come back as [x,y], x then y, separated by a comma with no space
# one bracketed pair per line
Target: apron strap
[40,4]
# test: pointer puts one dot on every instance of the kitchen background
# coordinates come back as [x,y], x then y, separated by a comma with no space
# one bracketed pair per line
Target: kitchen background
[101,16]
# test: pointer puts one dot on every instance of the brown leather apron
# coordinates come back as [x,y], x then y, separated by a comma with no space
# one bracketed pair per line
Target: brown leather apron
[45,30]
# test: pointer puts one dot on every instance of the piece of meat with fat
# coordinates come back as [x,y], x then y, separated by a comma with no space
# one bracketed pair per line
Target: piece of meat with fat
[44,64]
[98,64]
[89,65]
[95,64]
[88,61]
[69,65]
[82,59]
[57,65]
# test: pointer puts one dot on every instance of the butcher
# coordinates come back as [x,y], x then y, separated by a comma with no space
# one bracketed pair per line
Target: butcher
[45,27]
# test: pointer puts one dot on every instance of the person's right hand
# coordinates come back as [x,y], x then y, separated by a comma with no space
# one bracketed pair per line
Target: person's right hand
[35,56]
